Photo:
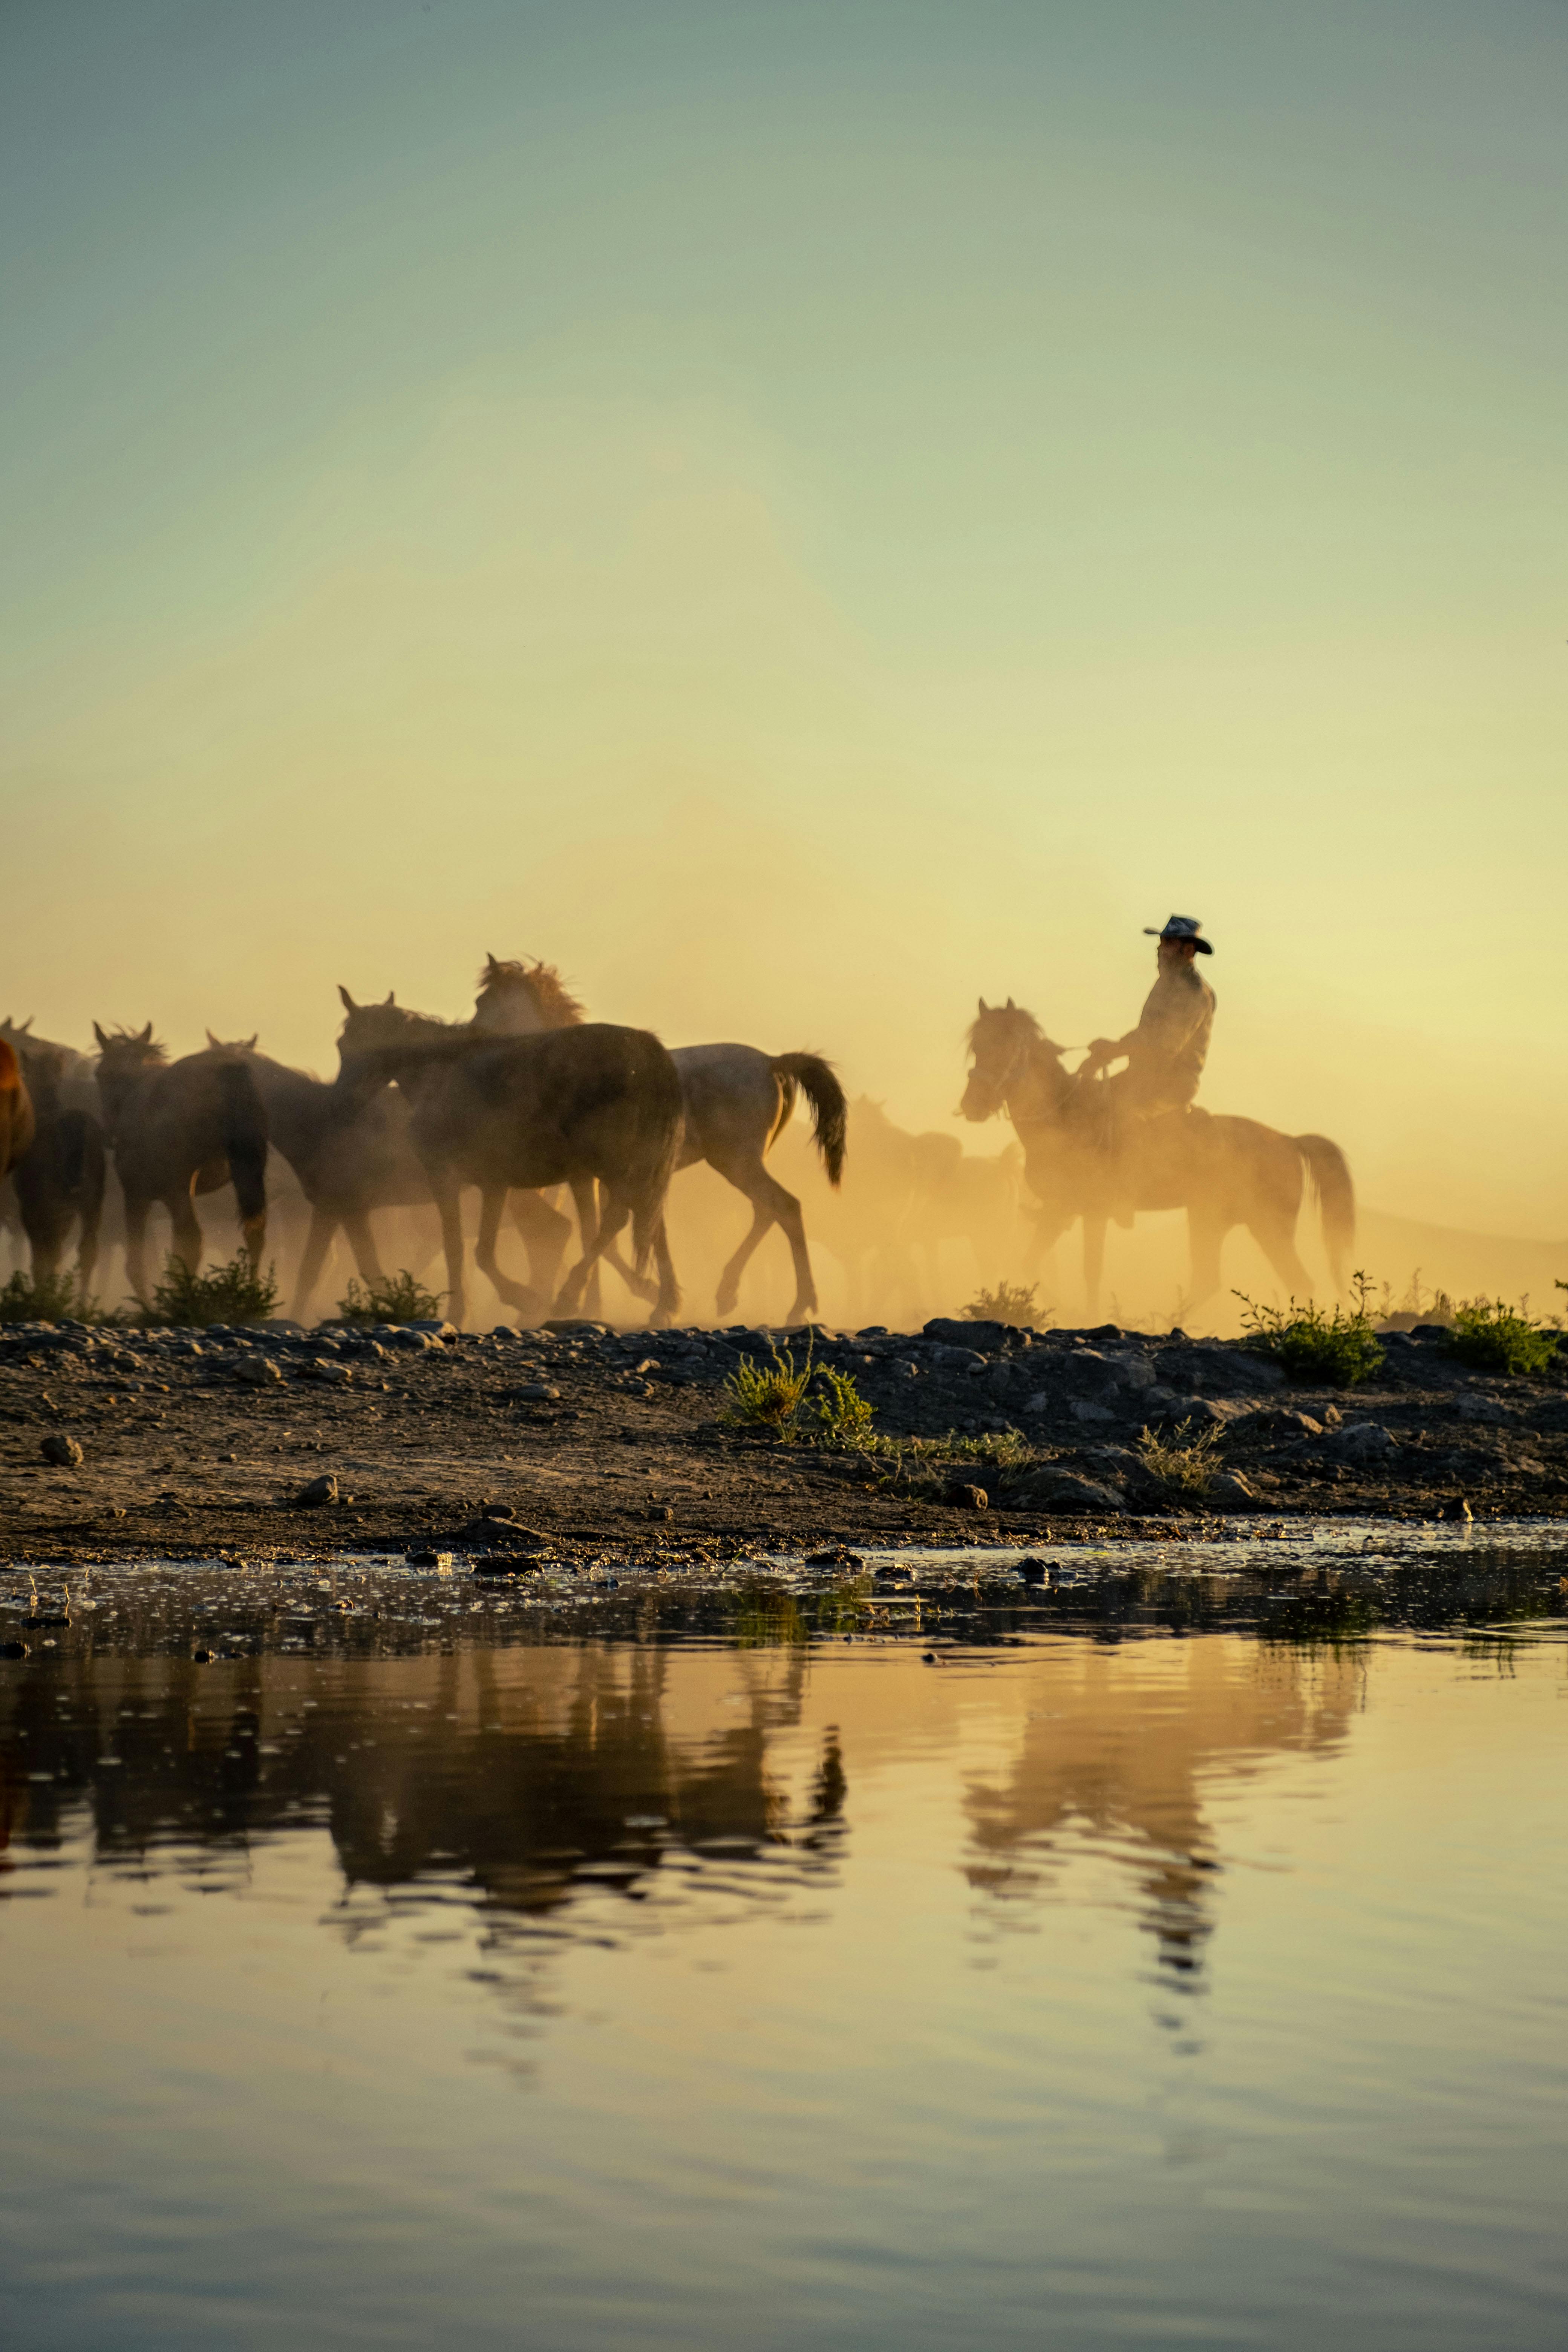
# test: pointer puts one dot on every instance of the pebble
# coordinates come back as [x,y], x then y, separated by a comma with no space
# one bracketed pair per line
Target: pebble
[323,1489]
[965,1498]
[256,1372]
[64,1453]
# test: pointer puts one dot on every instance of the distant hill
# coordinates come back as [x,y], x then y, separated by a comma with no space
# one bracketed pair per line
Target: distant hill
[1391,1248]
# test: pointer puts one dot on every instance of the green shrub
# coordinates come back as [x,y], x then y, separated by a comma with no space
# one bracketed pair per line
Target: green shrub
[51,1298]
[1495,1337]
[1339,1348]
[235,1293]
[1010,1302]
[766,1396]
[844,1416]
[399,1297]
[1181,1461]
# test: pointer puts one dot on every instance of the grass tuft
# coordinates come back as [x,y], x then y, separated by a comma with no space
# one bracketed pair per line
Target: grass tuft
[767,1395]
[1493,1336]
[1339,1348]
[399,1297]
[50,1299]
[844,1416]
[1010,1302]
[235,1293]
[1182,1462]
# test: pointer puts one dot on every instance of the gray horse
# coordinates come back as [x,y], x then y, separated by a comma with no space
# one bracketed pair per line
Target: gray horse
[589,1105]
[737,1099]
[178,1128]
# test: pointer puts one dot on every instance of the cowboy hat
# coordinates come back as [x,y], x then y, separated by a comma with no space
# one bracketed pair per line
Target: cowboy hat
[1180,927]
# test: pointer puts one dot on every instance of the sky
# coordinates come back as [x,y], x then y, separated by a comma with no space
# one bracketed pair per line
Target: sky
[803,515]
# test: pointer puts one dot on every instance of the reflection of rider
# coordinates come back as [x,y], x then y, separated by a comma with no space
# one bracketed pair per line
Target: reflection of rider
[1166,1052]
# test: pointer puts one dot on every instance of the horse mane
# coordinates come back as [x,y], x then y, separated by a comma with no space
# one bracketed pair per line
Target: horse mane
[557,1006]
[1015,1013]
[151,1049]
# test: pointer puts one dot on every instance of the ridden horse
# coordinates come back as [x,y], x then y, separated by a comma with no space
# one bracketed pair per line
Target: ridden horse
[1223,1172]
[737,1099]
[595,1103]
[178,1128]
[59,1182]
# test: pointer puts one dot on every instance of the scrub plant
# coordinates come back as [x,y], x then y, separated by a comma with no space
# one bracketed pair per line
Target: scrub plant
[844,1416]
[1011,1302]
[399,1297]
[1185,1462]
[767,1395]
[235,1293]
[1340,1348]
[47,1298]
[1493,1336]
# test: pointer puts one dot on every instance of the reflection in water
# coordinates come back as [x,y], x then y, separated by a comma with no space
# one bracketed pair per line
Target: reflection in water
[1119,1753]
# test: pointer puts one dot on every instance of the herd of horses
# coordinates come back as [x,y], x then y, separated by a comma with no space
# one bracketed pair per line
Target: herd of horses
[527,1099]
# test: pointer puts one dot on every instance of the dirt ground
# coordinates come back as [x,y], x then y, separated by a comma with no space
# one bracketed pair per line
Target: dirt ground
[200,1444]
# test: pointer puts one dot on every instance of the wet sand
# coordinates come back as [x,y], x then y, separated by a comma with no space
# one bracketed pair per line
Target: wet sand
[199,1444]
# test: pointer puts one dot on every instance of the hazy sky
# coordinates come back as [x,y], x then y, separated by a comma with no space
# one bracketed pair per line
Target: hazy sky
[803,514]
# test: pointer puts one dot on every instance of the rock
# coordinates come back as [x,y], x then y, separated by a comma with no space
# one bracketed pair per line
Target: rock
[953,1359]
[257,1371]
[321,1490]
[438,1559]
[436,1329]
[1220,1372]
[409,1336]
[661,1511]
[1197,1411]
[958,1331]
[1035,1571]
[13,1649]
[535,1392]
[1362,1445]
[500,1563]
[1085,1412]
[963,1497]
[835,1556]
[1456,1509]
[1229,1486]
[1062,1491]
[323,1369]
[1482,1408]
[64,1453]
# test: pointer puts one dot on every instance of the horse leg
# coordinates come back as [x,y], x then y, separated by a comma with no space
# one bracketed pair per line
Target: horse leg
[449,1203]
[1204,1237]
[587,1201]
[587,1197]
[361,1239]
[546,1233]
[667,1303]
[1093,1262]
[313,1258]
[185,1233]
[771,1205]
[493,1201]
[1277,1242]
[136,1210]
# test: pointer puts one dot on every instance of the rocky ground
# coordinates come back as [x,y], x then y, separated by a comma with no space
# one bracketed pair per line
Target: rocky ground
[275,1443]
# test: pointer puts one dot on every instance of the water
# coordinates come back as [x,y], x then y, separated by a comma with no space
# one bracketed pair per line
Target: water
[730,1982]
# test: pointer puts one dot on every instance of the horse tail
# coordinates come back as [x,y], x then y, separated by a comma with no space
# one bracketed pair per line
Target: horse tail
[829,1111]
[1328,1173]
[657,1128]
[16,1123]
[242,1118]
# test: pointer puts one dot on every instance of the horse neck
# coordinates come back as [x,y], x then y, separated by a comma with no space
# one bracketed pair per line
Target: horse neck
[1039,1098]
[511,1011]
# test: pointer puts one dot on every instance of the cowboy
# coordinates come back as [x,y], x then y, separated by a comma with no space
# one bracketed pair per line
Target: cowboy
[1164,1055]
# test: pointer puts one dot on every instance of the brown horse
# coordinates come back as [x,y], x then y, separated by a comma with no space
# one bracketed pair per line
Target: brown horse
[737,1100]
[1223,1171]
[17,1122]
[589,1105]
[178,1128]
[59,1182]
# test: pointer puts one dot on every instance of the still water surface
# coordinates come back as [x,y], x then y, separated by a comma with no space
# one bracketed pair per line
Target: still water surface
[608,1992]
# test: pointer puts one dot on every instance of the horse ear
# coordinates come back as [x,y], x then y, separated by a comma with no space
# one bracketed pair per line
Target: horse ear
[27,1023]
[491,967]
[983,1006]
[392,996]
[211,1039]
[348,1003]
[1011,1007]
[146,1036]
[98,1035]
[255,1038]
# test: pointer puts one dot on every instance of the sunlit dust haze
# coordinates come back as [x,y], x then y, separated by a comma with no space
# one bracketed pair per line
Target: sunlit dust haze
[803,516]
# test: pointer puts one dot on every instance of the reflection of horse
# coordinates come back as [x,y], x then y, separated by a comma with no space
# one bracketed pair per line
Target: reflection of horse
[59,1182]
[1124,1753]
[178,1128]
[596,1103]
[737,1101]
[1223,1171]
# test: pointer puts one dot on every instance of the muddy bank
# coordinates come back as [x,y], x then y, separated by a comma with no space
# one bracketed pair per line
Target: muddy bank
[614,1444]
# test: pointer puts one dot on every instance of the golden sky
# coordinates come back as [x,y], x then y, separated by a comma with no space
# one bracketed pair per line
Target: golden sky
[803,515]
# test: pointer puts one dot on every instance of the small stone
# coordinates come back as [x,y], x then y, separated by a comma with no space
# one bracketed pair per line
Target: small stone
[661,1511]
[1035,1571]
[13,1649]
[536,1392]
[1456,1509]
[64,1453]
[321,1490]
[1229,1486]
[963,1497]
[257,1371]
[441,1560]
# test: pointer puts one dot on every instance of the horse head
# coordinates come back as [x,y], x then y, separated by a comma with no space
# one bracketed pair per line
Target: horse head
[1004,1043]
[519,999]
